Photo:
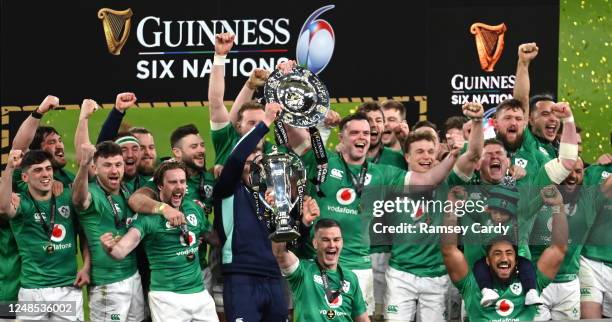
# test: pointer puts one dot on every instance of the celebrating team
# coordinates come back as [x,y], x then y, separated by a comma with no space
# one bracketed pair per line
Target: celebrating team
[148,246]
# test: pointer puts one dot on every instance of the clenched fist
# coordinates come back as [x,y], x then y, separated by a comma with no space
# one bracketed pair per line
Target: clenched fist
[258,78]
[125,101]
[224,43]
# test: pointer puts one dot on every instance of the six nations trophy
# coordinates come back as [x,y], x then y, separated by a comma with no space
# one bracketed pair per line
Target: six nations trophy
[284,177]
[305,102]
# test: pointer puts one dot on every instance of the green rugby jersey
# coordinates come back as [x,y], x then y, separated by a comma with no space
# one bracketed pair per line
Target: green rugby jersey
[167,250]
[419,253]
[580,218]
[529,156]
[199,190]
[10,265]
[135,183]
[98,219]
[598,246]
[509,307]
[39,268]
[225,139]
[342,204]
[390,157]
[311,304]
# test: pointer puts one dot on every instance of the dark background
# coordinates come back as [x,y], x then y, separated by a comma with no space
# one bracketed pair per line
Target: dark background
[383,48]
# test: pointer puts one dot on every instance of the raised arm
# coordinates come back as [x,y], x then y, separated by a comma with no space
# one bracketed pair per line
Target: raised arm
[81,136]
[437,174]
[467,161]
[558,169]
[81,197]
[113,120]
[455,262]
[127,243]
[526,53]
[234,165]
[144,201]
[27,129]
[7,208]
[257,79]
[552,257]
[216,84]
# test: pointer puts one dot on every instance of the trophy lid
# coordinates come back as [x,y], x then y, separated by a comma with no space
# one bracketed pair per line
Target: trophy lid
[302,95]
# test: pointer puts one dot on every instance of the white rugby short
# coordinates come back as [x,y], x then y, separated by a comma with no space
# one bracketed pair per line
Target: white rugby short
[53,294]
[405,290]
[119,301]
[561,302]
[596,284]
[380,263]
[176,307]
[366,283]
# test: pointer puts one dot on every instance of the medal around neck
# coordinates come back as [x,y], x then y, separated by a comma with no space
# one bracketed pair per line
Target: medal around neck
[302,95]
[284,176]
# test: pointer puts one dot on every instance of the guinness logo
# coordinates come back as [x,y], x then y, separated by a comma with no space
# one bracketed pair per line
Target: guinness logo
[489,43]
[116,25]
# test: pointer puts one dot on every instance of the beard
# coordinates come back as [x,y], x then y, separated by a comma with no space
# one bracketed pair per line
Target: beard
[511,147]
[194,167]
[146,170]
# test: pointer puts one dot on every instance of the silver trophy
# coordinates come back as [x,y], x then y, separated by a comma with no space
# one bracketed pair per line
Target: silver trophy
[284,176]
[304,98]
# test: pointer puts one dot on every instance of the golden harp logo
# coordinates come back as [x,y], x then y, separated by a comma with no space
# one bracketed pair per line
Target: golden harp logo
[116,26]
[489,43]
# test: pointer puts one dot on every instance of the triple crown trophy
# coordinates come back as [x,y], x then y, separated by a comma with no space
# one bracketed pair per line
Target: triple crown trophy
[305,102]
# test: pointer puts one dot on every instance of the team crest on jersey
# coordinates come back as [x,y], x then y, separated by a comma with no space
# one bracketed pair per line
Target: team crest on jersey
[130,220]
[543,150]
[58,233]
[336,173]
[368,178]
[521,162]
[516,288]
[346,286]
[64,211]
[168,226]
[192,239]
[346,196]
[337,302]
[605,174]
[37,216]
[208,191]
[317,279]
[504,307]
[192,220]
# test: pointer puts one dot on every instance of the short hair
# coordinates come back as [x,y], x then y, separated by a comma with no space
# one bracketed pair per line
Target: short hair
[418,136]
[252,105]
[397,105]
[502,239]
[372,106]
[138,130]
[181,132]
[170,164]
[424,123]
[121,135]
[454,122]
[352,117]
[40,135]
[326,223]
[509,104]
[539,98]
[33,157]
[106,149]
[494,141]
